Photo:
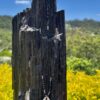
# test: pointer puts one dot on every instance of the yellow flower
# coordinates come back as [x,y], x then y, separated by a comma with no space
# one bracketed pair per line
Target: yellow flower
[83,87]
[6,92]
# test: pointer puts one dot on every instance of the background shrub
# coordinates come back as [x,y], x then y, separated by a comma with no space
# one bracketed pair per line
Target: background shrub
[80,64]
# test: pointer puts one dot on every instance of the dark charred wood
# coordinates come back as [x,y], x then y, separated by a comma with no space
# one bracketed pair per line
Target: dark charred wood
[39,52]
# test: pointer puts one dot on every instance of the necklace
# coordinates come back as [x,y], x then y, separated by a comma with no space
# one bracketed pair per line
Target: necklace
[44,88]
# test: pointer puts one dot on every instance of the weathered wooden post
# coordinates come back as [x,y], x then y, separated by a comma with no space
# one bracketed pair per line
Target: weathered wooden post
[39,53]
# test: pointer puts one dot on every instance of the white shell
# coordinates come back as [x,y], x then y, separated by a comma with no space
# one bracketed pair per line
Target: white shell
[46,98]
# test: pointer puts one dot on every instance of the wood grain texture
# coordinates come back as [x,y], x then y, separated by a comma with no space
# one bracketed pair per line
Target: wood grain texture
[39,52]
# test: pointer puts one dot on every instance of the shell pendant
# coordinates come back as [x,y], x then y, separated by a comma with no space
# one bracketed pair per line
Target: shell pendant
[46,98]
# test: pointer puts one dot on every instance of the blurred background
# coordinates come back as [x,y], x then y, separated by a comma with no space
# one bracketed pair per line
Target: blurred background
[83,47]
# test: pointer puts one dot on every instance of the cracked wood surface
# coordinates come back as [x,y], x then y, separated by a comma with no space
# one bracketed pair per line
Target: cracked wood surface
[39,53]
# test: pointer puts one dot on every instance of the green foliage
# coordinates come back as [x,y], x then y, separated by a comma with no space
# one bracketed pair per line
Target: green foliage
[84,44]
[5,32]
[5,53]
[5,22]
[80,64]
[90,71]
[5,39]
[86,24]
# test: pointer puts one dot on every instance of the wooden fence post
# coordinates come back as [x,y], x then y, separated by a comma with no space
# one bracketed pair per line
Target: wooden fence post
[39,53]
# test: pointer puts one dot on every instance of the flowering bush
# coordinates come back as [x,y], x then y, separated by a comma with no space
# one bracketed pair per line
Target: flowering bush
[83,87]
[6,92]
[79,85]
